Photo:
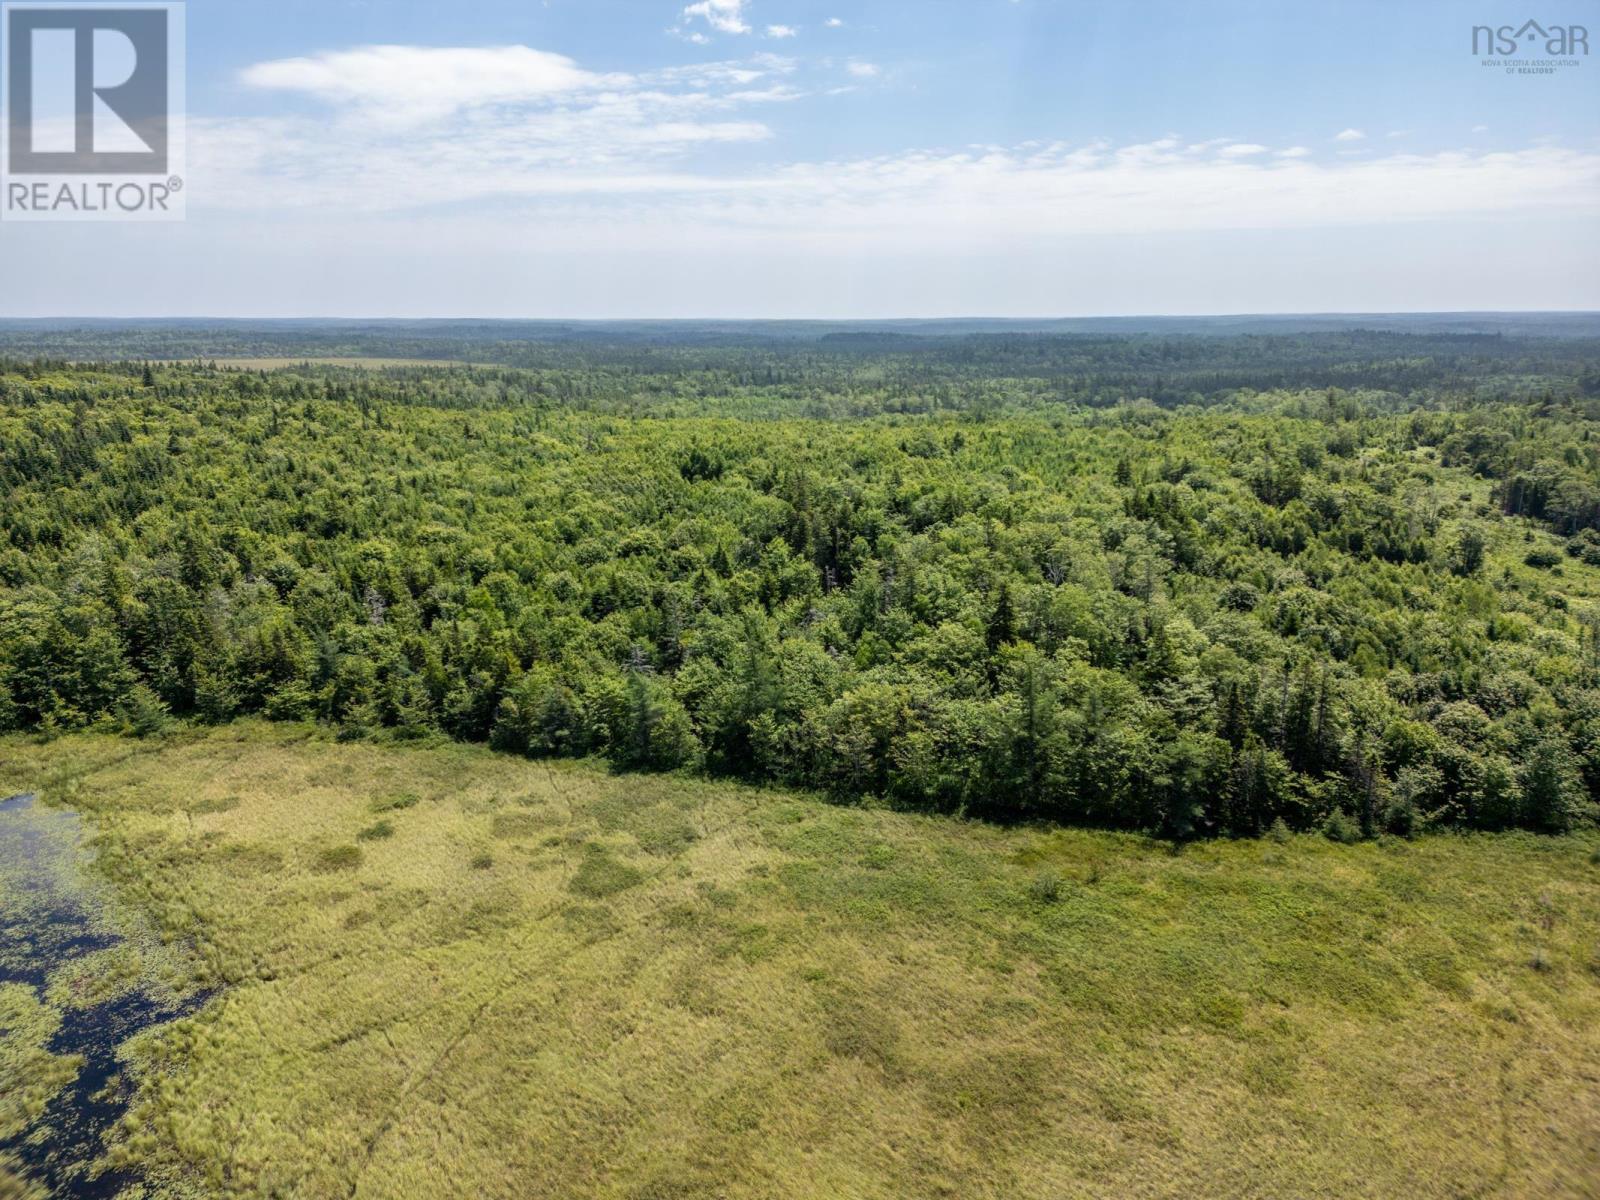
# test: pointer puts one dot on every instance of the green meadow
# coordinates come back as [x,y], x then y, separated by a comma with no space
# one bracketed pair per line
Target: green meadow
[440,971]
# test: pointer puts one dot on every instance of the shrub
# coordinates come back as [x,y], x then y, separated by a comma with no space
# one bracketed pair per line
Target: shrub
[142,714]
[291,702]
[601,876]
[377,832]
[1045,888]
[1341,828]
[1401,817]
[396,803]
[1279,832]
[205,807]
[1585,545]
[337,858]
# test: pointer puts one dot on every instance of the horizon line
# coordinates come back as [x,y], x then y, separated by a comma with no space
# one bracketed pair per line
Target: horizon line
[754,320]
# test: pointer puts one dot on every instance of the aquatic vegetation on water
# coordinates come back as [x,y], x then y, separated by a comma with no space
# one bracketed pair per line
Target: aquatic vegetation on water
[79,979]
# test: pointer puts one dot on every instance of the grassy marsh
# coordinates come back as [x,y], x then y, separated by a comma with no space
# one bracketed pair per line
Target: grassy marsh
[544,980]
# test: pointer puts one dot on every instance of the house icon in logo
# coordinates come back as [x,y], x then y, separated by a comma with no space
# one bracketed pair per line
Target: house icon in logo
[1531,32]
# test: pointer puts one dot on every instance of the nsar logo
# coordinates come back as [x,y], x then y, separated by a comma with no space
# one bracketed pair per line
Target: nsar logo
[1531,48]
[93,121]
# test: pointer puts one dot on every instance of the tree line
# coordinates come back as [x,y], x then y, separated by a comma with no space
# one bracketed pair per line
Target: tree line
[1355,609]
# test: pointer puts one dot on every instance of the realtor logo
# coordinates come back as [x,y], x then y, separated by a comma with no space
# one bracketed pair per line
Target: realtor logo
[93,111]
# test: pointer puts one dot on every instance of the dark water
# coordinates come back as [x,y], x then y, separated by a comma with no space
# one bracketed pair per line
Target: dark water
[52,920]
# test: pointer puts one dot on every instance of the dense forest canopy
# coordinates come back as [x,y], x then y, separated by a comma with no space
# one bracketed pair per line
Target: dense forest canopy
[1188,584]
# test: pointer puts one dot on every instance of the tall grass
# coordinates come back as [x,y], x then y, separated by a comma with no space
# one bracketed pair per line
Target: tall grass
[552,981]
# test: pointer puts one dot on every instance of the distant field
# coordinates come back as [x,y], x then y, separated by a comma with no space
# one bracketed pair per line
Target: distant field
[451,973]
[274,364]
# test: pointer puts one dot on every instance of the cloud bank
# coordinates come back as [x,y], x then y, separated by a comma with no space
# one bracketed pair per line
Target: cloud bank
[514,181]
[515,130]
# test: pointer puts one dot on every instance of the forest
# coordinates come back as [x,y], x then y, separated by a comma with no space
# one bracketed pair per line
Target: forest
[1196,586]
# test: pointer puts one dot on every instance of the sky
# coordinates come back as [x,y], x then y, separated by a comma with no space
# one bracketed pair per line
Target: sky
[853,159]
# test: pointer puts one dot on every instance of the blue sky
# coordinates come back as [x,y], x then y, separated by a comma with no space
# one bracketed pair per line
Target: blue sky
[617,158]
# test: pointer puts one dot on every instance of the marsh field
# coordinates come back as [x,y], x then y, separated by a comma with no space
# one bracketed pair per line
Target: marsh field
[438,971]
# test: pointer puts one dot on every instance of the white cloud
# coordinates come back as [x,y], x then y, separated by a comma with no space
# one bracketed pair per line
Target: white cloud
[532,144]
[417,81]
[1162,150]
[834,23]
[771,95]
[1349,135]
[782,31]
[1480,129]
[617,204]
[622,168]
[725,16]
[476,125]
[1065,191]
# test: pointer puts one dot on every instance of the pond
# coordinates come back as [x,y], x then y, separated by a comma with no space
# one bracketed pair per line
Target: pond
[78,979]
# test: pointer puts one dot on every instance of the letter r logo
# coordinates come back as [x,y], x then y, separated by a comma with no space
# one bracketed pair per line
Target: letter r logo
[87,89]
